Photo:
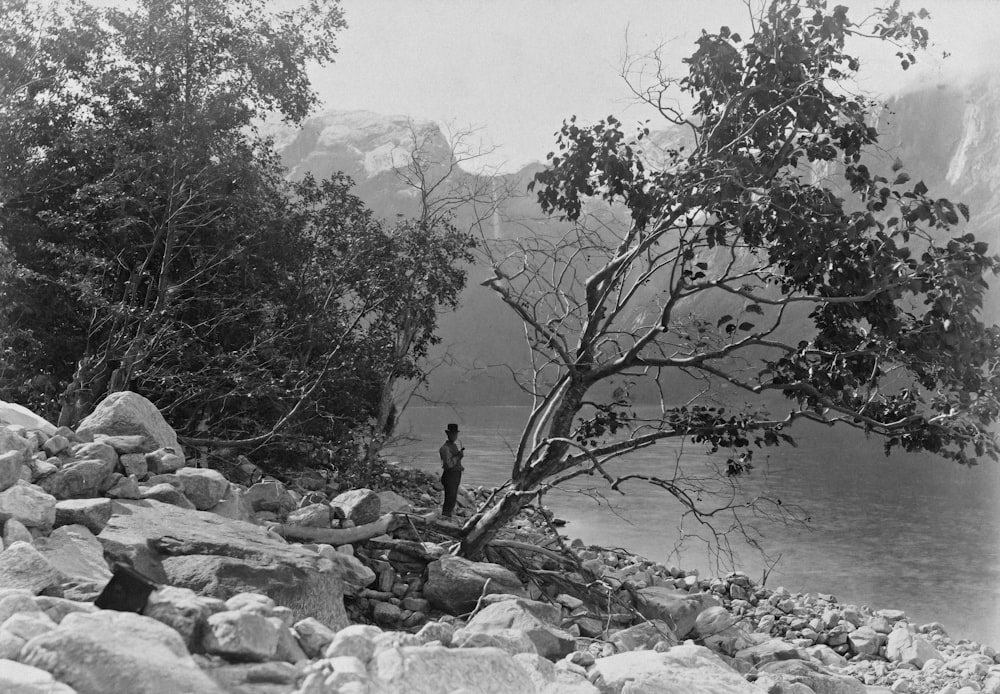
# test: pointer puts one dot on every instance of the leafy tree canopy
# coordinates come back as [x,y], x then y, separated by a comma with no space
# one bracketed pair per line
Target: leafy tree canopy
[766,249]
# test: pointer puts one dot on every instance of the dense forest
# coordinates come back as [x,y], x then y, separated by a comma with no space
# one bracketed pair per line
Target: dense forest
[150,240]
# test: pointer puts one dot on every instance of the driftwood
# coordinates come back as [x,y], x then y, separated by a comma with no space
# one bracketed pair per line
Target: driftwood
[385,524]
[338,536]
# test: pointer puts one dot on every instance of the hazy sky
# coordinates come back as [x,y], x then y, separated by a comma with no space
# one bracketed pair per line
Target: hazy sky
[518,67]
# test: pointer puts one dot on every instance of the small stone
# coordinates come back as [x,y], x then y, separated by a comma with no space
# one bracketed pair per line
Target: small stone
[10,649]
[311,516]
[58,608]
[205,488]
[10,468]
[25,679]
[357,640]
[168,494]
[285,614]
[241,635]
[56,445]
[257,603]
[314,636]
[180,608]
[270,495]
[134,464]
[234,505]
[359,505]
[125,488]
[386,614]
[28,625]
[95,451]
[288,649]
[14,531]
[441,632]
[164,460]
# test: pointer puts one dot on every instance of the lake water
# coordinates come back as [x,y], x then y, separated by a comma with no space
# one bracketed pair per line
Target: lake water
[908,532]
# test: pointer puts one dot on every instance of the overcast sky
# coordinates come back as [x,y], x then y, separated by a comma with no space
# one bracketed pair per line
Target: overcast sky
[518,67]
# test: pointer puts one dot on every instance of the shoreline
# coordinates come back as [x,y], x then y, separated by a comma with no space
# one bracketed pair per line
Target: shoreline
[310,585]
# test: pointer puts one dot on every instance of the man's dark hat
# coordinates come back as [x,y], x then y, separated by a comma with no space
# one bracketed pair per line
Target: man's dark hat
[452,427]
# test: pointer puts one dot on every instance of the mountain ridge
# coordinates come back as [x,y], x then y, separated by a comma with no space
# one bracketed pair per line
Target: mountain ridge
[945,134]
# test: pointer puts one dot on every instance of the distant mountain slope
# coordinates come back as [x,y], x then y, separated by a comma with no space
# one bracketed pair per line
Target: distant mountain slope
[947,135]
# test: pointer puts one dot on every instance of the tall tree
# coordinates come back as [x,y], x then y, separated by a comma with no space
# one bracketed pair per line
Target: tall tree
[134,190]
[731,257]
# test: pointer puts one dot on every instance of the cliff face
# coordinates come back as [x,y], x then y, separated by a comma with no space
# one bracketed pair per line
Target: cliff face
[945,134]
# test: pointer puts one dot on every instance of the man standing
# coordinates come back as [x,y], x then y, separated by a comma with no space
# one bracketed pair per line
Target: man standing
[451,461]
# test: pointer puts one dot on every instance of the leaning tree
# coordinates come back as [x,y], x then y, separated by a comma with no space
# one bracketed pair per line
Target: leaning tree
[762,252]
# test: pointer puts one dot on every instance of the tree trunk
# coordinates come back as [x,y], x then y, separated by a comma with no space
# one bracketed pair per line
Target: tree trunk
[484,528]
[527,483]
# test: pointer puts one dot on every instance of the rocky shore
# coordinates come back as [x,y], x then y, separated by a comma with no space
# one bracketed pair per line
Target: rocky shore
[251,585]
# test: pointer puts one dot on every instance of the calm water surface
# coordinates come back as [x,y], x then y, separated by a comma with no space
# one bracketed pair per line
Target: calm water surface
[907,532]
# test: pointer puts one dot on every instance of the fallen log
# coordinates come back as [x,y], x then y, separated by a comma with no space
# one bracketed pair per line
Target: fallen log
[387,523]
[338,536]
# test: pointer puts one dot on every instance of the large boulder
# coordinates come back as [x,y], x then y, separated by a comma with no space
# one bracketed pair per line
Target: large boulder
[904,646]
[220,558]
[680,670]
[29,504]
[537,620]
[129,414]
[110,651]
[79,479]
[678,609]
[241,635]
[23,566]
[454,584]
[19,415]
[75,553]
[434,669]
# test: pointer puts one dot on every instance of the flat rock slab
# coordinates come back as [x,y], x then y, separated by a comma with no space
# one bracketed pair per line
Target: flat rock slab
[220,557]
[434,669]
[93,513]
[455,584]
[812,676]
[681,670]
